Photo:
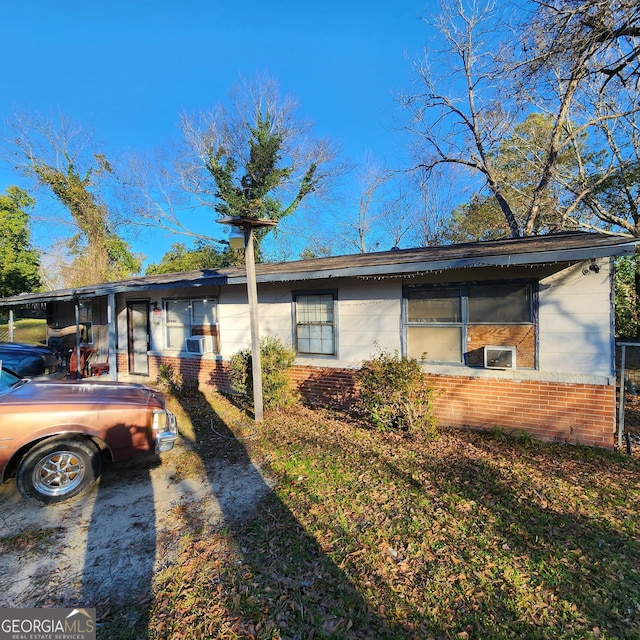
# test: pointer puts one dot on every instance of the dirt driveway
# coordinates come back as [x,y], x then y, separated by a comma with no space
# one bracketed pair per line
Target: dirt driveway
[105,547]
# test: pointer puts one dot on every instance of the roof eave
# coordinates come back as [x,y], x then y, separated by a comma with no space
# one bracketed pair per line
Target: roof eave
[390,269]
[537,258]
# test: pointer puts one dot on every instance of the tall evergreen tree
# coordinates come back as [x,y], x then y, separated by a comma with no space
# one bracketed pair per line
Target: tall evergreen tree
[19,261]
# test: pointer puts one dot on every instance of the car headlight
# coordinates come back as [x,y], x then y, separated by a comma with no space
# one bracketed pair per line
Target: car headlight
[159,422]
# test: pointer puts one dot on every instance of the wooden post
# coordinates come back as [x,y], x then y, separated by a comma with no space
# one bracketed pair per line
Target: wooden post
[247,225]
[252,295]
[111,327]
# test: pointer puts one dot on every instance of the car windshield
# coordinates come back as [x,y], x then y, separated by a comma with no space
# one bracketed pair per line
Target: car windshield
[8,379]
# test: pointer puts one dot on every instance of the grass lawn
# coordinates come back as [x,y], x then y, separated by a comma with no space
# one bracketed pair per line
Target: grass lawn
[29,330]
[371,535]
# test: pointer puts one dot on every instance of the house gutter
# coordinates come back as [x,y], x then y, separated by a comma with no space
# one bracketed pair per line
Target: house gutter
[574,255]
[386,267]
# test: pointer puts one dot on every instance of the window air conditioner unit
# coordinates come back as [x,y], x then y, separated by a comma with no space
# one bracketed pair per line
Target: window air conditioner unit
[199,344]
[499,357]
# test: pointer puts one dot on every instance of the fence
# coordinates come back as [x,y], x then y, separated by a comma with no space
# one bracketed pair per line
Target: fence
[29,325]
[628,384]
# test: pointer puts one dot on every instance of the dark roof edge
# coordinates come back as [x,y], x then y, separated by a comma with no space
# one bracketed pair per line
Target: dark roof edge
[534,250]
[543,257]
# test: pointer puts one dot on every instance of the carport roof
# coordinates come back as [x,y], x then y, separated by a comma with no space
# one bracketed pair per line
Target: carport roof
[536,250]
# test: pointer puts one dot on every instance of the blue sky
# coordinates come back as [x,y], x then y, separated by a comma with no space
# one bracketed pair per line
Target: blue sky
[129,68]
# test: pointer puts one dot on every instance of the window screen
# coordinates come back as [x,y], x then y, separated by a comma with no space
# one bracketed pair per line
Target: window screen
[436,305]
[499,303]
[315,324]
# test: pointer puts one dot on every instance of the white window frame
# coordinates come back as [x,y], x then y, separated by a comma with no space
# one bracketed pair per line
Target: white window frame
[192,321]
[319,330]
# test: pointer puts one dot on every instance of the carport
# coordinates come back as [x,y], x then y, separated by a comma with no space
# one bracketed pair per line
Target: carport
[69,337]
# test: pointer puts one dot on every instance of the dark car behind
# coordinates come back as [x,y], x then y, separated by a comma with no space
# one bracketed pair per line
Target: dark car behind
[31,360]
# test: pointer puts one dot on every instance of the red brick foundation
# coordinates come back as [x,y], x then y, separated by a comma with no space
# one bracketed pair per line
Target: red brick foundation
[557,412]
[574,413]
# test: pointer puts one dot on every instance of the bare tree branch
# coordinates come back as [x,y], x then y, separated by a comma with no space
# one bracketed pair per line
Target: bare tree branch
[55,157]
[573,60]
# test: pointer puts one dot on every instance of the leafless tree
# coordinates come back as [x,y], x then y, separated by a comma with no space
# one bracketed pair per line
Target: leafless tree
[385,215]
[151,192]
[249,156]
[458,111]
[359,231]
[576,56]
[572,58]
[434,196]
[612,181]
[597,38]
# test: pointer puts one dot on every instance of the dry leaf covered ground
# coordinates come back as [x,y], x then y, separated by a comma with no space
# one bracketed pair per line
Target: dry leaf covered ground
[372,535]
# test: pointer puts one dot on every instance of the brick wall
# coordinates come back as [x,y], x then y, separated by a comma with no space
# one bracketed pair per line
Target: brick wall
[573,413]
[557,412]
[122,363]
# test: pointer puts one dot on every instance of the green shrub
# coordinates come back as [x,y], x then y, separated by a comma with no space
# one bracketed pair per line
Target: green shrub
[276,360]
[394,394]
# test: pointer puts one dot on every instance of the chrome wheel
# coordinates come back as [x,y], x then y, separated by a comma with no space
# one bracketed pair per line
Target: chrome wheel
[59,473]
[58,469]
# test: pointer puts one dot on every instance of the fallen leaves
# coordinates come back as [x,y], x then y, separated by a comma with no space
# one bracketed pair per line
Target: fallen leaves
[369,535]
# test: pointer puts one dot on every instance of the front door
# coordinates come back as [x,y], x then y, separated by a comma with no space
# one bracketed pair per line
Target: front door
[138,337]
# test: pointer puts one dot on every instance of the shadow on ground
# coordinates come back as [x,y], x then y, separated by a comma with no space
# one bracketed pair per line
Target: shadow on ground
[113,547]
[291,587]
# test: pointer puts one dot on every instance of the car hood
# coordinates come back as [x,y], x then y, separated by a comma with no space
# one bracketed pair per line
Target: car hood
[21,346]
[80,391]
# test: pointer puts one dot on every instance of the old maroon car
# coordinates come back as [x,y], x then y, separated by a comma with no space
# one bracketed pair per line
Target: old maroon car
[54,433]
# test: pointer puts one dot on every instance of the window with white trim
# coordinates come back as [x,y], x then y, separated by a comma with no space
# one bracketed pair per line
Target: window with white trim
[188,317]
[315,323]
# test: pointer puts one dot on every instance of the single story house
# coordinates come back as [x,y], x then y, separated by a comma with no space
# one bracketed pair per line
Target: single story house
[514,333]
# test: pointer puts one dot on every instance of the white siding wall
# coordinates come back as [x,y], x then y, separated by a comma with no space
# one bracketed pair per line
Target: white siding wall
[233,317]
[274,314]
[368,313]
[575,321]
[364,315]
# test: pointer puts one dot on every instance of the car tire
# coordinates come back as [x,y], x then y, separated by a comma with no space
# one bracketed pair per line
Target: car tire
[57,470]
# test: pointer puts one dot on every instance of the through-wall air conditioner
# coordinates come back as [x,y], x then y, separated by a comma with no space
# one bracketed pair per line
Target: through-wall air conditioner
[499,357]
[199,344]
